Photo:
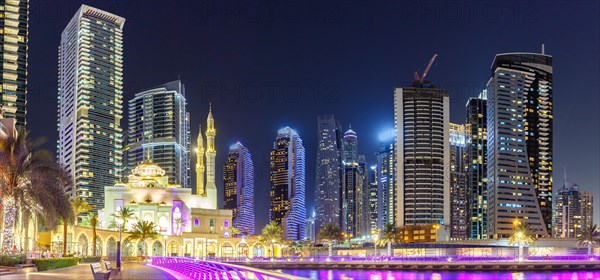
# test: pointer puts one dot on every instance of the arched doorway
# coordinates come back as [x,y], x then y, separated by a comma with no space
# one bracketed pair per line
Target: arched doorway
[82,245]
[128,248]
[259,250]
[242,250]
[226,249]
[173,249]
[211,249]
[98,246]
[157,249]
[111,249]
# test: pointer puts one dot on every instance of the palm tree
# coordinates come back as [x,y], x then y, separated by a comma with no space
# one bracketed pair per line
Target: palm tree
[93,218]
[30,179]
[142,231]
[80,206]
[389,235]
[179,223]
[271,234]
[522,236]
[124,213]
[330,233]
[590,237]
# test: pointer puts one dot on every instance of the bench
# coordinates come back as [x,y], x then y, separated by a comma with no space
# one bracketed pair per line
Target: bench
[98,272]
[108,266]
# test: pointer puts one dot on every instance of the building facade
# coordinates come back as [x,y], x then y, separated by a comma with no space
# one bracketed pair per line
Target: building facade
[423,156]
[476,126]
[288,184]
[238,180]
[159,131]
[311,233]
[386,179]
[14,41]
[573,211]
[459,200]
[373,200]
[328,179]
[90,92]
[519,125]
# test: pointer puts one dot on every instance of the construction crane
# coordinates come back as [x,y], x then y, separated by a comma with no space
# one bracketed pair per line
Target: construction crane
[421,78]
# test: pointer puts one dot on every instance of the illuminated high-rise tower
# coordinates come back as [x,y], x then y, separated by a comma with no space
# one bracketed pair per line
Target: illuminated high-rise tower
[459,201]
[13,61]
[238,180]
[90,92]
[210,189]
[476,127]
[519,143]
[159,131]
[287,164]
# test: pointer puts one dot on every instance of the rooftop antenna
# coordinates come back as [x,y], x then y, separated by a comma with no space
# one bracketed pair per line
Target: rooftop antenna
[543,49]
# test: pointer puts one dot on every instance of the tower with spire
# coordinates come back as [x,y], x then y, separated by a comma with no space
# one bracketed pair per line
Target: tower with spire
[200,168]
[211,153]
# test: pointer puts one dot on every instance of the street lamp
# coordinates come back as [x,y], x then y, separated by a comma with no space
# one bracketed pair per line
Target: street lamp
[165,242]
[120,223]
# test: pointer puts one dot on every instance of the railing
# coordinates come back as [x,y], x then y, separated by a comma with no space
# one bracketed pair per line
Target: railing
[200,269]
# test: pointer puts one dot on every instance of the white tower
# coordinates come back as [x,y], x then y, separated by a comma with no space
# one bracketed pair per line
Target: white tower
[200,190]
[211,153]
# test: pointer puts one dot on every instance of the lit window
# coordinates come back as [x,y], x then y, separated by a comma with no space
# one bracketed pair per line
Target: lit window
[196,222]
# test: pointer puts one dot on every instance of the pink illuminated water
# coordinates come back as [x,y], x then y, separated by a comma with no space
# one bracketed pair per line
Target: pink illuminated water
[413,275]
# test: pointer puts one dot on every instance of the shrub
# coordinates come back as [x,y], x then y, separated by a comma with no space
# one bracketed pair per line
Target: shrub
[90,259]
[48,264]
[12,260]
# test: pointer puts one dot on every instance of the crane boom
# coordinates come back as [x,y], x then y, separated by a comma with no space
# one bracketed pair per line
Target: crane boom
[422,78]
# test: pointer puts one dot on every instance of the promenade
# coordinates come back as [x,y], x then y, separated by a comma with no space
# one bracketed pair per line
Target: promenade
[130,271]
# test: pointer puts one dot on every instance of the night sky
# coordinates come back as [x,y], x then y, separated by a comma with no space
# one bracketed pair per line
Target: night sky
[271,64]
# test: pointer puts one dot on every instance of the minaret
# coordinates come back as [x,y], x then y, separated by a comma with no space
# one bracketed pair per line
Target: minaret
[211,153]
[200,189]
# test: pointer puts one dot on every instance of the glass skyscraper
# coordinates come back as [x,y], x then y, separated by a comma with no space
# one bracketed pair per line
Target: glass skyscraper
[13,68]
[386,178]
[476,126]
[90,92]
[519,125]
[328,179]
[288,184]
[159,131]
[238,180]
[573,211]
[423,156]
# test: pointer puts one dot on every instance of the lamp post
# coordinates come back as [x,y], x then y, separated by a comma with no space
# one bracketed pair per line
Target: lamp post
[165,242]
[119,222]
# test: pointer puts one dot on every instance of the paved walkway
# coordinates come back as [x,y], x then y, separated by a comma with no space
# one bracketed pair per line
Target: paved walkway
[131,271]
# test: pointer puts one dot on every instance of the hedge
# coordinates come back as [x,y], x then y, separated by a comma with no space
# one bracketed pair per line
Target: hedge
[90,259]
[12,260]
[54,263]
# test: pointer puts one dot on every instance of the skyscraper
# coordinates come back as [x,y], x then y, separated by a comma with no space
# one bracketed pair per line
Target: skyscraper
[423,155]
[373,199]
[328,172]
[206,188]
[363,223]
[386,179]
[459,202]
[519,125]
[350,147]
[159,131]
[90,92]
[311,233]
[573,211]
[238,179]
[476,126]
[14,41]
[287,176]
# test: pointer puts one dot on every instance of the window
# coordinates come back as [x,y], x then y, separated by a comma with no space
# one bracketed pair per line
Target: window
[226,223]
[212,223]
[196,222]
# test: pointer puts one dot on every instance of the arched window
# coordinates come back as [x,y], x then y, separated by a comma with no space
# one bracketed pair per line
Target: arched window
[197,222]
[226,223]
[212,223]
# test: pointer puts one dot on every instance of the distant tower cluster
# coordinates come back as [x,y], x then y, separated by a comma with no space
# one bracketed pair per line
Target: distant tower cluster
[573,211]
[288,185]
[208,190]
[238,177]
[90,93]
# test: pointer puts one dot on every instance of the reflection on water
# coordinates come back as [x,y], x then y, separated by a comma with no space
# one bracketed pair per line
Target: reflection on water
[446,275]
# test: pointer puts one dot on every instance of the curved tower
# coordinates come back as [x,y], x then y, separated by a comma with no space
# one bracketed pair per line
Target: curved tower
[200,190]
[211,153]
